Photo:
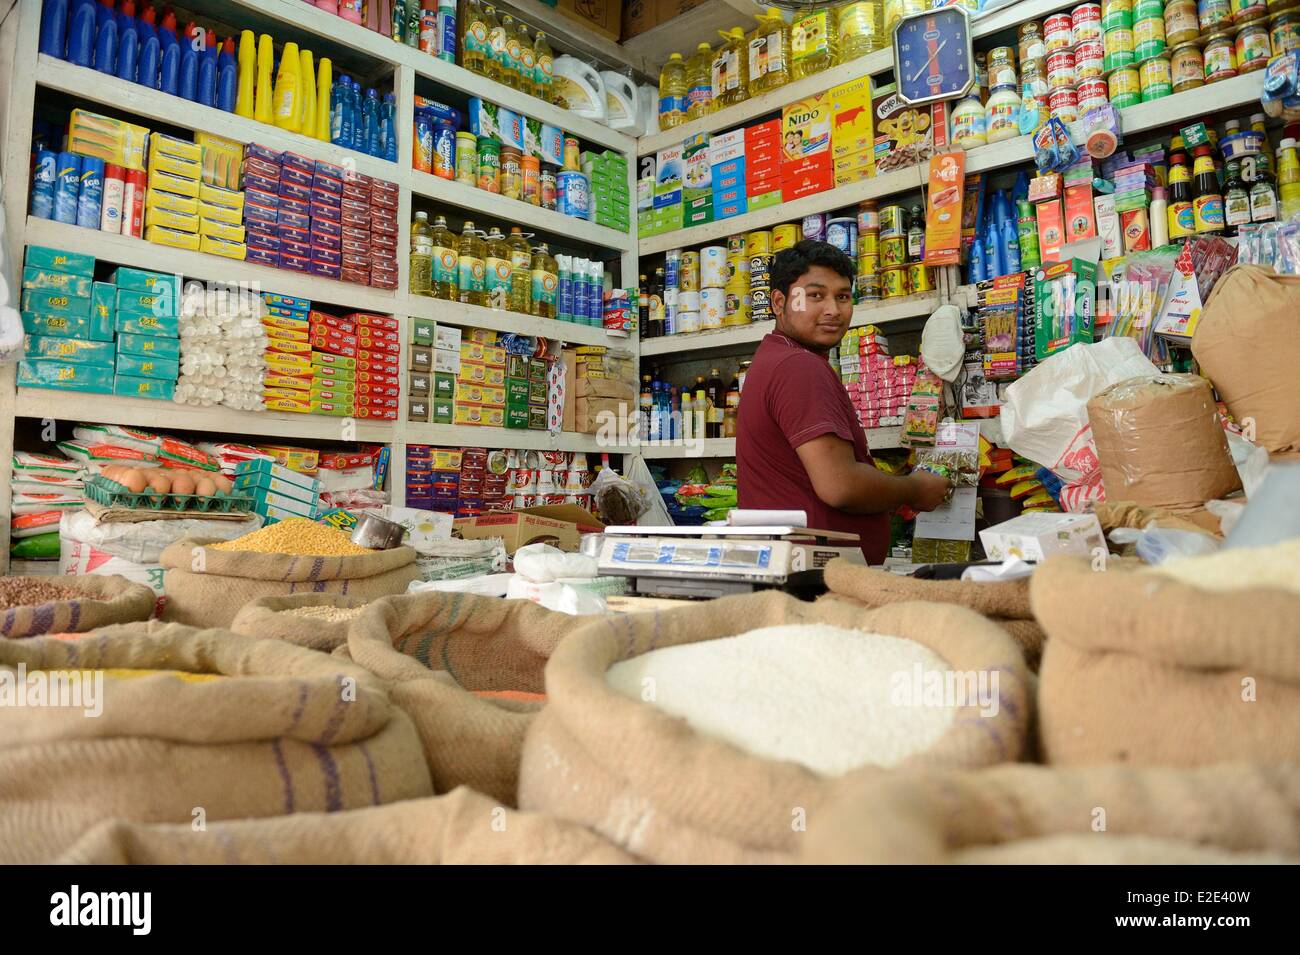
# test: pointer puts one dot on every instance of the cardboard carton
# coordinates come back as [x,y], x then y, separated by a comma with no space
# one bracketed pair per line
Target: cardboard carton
[560,525]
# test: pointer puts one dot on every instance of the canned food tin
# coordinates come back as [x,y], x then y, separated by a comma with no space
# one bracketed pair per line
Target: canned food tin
[467,159]
[738,269]
[1181,25]
[572,194]
[688,275]
[713,266]
[1064,105]
[1089,60]
[868,242]
[489,164]
[1002,66]
[572,154]
[735,245]
[1247,11]
[1125,87]
[550,186]
[893,222]
[1030,45]
[784,236]
[1117,16]
[1220,58]
[1060,70]
[1213,14]
[814,226]
[512,173]
[868,264]
[1119,49]
[760,270]
[735,309]
[758,243]
[893,251]
[1187,67]
[688,300]
[532,170]
[1155,78]
[1085,22]
[422,154]
[868,217]
[1092,93]
[1145,9]
[1058,33]
[919,278]
[893,282]
[843,234]
[1148,38]
[713,306]
[444,150]
[1284,31]
[1252,48]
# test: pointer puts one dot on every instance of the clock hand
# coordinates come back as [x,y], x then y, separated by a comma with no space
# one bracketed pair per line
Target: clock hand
[926,64]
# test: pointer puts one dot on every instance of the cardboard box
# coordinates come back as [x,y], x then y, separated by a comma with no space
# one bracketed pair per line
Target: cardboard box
[591,413]
[1038,536]
[851,128]
[603,16]
[560,525]
[904,134]
[806,129]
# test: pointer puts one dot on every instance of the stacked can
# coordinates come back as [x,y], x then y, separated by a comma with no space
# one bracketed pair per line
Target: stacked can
[893,251]
[785,237]
[713,281]
[672,291]
[758,248]
[688,292]
[736,298]
[868,279]
[1122,80]
[814,226]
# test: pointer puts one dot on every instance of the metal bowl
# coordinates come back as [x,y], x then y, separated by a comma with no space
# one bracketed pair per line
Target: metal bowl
[377,533]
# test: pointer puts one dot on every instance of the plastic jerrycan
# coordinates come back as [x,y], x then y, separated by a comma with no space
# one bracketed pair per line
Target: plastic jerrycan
[580,87]
[622,108]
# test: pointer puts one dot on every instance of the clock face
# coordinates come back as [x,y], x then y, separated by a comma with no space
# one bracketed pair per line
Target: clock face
[932,55]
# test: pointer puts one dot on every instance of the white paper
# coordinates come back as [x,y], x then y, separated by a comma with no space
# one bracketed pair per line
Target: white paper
[954,521]
[756,518]
[1013,568]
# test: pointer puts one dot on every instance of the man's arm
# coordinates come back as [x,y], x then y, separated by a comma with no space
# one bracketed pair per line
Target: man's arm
[846,484]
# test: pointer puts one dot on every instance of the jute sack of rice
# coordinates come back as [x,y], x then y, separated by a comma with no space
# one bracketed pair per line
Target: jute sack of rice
[92,601]
[731,781]
[206,586]
[460,828]
[438,654]
[1006,603]
[1143,668]
[1018,813]
[166,723]
[318,621]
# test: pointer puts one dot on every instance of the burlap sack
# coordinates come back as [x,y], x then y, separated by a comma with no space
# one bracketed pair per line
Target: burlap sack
[461,828]
[931,817]
[206,587]
[267,618]
[1248,343]
[242,728]
[434,650]
[666,793]
[1143,669]
[93,601]
[1006,603]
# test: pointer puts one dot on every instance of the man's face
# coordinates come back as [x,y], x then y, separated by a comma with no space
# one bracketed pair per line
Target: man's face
[817,310]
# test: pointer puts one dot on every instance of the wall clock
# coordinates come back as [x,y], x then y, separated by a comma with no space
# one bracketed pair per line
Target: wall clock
[933,57]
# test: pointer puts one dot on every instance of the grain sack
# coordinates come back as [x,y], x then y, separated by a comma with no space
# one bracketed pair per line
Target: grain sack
[1006,603]
[1248,343]
[206,586]
[31,606]
[188,720]
[965,816]
[1160,442]
[668,793]
[461,828]
[436,652]
[318,621]
[1144,669]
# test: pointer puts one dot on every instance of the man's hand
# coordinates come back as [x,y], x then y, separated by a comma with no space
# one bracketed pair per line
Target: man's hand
[928,490]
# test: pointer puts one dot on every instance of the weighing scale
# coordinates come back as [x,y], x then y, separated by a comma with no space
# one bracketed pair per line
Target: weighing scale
[709,562]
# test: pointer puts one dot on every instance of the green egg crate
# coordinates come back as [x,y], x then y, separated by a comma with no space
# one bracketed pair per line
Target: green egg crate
[109,493]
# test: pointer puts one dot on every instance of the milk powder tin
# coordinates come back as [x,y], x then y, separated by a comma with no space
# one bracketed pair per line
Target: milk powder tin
[920,278]
[573,194]
[713,307]
[713,266]
[1060,70]
[843,234]
[689,276]
[757,243]
[814,226]
[784,236]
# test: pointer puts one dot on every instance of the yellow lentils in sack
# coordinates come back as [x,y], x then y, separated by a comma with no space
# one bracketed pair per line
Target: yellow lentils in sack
[296,535]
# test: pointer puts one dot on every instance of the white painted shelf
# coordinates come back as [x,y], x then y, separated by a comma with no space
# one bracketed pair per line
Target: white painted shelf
[476,316]
[685,31]
[446,435]
[878,439]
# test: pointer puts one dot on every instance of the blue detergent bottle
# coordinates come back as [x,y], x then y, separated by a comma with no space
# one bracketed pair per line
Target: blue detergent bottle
[106,38]
[155,71]
[128,42]
[227,76]
[206,91]
[54,29]
[1008,235]
[188,82]
[81,32]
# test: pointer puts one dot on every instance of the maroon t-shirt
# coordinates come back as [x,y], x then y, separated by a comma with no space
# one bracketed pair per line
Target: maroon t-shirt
[792,396]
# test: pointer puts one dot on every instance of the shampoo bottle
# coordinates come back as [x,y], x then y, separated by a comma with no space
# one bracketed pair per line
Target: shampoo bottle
[188,85]
[81,32]
[247,73]
[288,102]
[307,93]
[388,127]
[128,42]
[324,100]
[54,28]
[160,52]
[106,41]
[227,76]
[1010,236]
[207,86]
[263,93]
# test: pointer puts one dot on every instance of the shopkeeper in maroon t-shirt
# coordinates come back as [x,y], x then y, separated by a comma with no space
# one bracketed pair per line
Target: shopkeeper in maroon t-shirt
[799,444]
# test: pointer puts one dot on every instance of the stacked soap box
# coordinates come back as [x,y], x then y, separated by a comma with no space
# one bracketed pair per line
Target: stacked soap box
[433,477]
[379,354]
[278,492]
[727,171]
[146,315]
[697,181]
[667,203]
[383,229]
[526,393]
[434,365]
[611,200]
[419,381]
[171,203]
[763,165]
[481,382]
[68,318]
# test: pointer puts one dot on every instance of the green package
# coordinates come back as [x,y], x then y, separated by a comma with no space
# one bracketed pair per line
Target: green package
[65,375]
[147,325]
[61,326]
[70,349]
[103,310]
[43,257]
[140,366]
[51,302]
[131,386]
[65,283]
[149,346]
[141,281]
[162,304]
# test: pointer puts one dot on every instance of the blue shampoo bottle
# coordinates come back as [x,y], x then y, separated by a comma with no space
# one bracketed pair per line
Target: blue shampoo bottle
[54,30]
[128,42]
[81,32]
[168,45]
[188,83]
[206,92]
[106,41]
[227,76]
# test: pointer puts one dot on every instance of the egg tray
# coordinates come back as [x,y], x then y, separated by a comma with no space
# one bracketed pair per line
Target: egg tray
[109,493]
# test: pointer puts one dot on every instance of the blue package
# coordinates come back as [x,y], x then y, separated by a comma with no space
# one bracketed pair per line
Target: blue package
[295,220]
[264,241]
[320,210]
[295,235]
[299,177]
[325,255]
[43,180]
[329,242]
[90,194]
[290,302]
[260,257]
[301,249]
[327,184]
[325,270]
[326,198]
[296,206]
[294,161]
[291,190]
[290,312]
[255,182]
[327,227]
[263,197]
[256,212]
[262,153]
[324,168]
[295,263]
[67,183]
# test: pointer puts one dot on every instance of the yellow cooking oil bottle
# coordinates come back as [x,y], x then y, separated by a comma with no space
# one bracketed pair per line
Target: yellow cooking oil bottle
[699,83]
[730,79]
[495,52]
[474,38]
[769,53]
[471,267]
[861,29]
[814,41]
[421,280]
[521,272]
[545,282]
[446,258]
[497,270]
[672,92]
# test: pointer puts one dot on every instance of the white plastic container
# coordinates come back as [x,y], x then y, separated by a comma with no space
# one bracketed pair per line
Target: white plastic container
[648,104]
[622,108]
[580,88]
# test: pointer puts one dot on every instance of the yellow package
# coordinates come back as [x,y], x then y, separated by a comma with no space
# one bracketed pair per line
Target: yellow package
[494,356]
[291,324]
[183,168]
[221,159]
[468,414]
[1040,499]
[172,237]
[280,346]
[1025,489]
[302,460]
[171,220]
[493,417]
[287,334]
[209,212]
[444,459]
[278,364]
[170,202]
[218,196]
[287,381]
[494,376]
[302,406]
[231,250]
[292,394]
[484,336]
[851,130]
[1022,473]
[111,140]
[471,350]
[494,396]
[221,230]
[472,371]
[806,128]
[169,182]
[182,149]
[469,392]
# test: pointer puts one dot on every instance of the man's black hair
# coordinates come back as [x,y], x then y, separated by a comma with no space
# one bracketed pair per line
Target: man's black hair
[789,264]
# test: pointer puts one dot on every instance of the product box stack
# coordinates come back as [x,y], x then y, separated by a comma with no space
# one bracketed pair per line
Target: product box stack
[526,393]
[353,479]
[727,170]
[146,316]
[68,317]
[853,142]
[383,230]
[433,477]
[763,165]
[333,364]
[806,147]
[171,214]
[697,181]
[43,487]
[278,492]
[481,383]
[288,382]
[433,365]
[878,384]
[1006,317]
[645,196]
[419,381]
[666,214]
[605,385]
[379,349]
[611,202]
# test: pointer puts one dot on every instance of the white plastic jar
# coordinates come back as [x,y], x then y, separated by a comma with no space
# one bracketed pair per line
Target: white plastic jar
[1003,113]
[969,123]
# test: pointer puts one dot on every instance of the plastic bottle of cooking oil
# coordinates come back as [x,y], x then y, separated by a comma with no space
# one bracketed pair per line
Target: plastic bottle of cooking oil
[861,29]
[672,93]
[421,281]
[471,267]
[446,259]
[730,79]
[510,53]
[521,275]
[497,270]
[473,38]
[545,282]
[494,58]
[545,72]
[527,63]
[769,53]
[814,42]
[699,85]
